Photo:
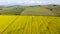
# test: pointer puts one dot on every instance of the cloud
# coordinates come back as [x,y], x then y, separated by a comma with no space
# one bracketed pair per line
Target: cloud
[38,2]
[29,2]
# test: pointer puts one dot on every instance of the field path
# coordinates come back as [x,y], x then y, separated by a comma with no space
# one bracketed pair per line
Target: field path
[9,25]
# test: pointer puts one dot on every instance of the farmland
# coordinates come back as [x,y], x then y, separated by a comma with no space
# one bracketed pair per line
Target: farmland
[30,19]
[29,24]
[45,10]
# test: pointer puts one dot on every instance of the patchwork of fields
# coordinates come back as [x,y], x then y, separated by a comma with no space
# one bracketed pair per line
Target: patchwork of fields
[48,10]
[29,24]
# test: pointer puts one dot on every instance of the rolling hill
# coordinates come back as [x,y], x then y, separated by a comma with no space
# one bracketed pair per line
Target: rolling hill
[46,10]
[35,11]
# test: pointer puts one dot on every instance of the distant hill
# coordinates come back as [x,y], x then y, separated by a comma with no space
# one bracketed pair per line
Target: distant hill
[31,10]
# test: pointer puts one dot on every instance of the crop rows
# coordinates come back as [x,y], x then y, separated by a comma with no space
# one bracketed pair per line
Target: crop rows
[30,25]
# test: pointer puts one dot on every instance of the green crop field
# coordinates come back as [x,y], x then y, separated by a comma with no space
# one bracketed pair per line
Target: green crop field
[10,24]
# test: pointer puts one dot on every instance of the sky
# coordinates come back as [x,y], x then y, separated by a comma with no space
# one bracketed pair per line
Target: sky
[28,2]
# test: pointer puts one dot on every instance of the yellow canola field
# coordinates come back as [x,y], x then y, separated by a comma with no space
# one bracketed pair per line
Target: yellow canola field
[29,25]
[5,21]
